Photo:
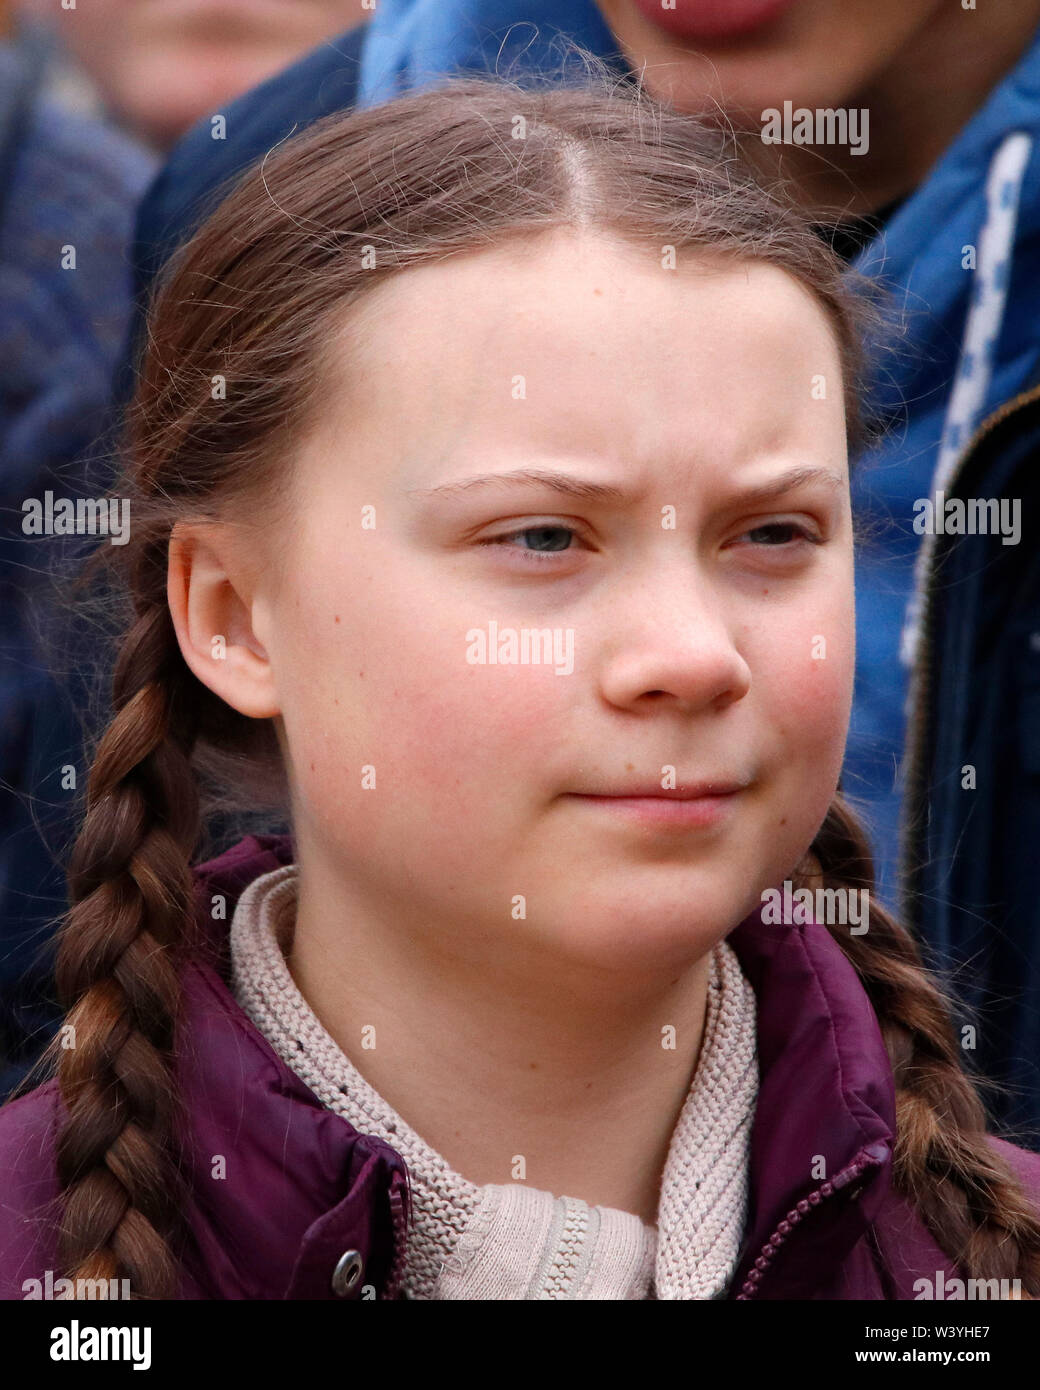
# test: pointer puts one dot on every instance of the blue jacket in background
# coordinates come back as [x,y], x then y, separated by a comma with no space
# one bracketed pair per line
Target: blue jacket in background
[970,342]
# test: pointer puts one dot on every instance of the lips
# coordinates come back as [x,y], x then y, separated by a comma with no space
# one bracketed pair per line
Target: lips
[683,809]
[717,20]
[683,792]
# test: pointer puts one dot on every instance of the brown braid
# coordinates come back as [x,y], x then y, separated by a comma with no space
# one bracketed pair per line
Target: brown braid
[965,1192]
[130,888]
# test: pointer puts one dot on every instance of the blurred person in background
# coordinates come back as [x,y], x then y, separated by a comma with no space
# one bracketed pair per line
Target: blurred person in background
[68,192]
[85,95]
[157,66]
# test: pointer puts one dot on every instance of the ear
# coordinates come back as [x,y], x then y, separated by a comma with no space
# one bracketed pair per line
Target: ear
[216,615]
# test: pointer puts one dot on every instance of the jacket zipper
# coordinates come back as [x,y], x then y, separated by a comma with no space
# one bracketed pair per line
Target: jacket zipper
[400,1225]
[791,1220]
[922,676]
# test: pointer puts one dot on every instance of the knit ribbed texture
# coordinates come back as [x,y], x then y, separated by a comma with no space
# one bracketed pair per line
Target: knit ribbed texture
[511,1241]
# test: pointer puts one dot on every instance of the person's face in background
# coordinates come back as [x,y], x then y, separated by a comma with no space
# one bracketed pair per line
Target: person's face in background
[920,67]
[160,65]
[750,54]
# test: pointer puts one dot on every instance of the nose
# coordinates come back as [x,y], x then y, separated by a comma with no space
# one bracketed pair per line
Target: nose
[673,644]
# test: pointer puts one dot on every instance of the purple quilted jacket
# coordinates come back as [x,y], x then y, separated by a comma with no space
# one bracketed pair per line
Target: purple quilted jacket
[311,1209]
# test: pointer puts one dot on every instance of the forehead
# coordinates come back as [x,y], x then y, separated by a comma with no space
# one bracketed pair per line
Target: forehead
[579,340]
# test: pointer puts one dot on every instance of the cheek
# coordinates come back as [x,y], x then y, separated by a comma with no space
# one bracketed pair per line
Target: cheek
[816,694]
[386,685]
[806,676]
[804,683]
[462,736]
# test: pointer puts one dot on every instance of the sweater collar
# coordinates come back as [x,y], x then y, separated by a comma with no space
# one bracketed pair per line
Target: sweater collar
[820,1162]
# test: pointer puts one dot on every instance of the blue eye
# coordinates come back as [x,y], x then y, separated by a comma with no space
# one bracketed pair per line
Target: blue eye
[542,534]
[792,527]
[548,540]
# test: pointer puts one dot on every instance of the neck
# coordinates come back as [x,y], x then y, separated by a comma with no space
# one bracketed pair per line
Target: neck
[917,106]
[492,1054]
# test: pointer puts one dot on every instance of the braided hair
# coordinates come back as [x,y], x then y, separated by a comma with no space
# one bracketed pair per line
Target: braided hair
[964,1191]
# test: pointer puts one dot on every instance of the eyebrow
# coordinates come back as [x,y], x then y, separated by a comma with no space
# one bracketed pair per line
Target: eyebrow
[587,491]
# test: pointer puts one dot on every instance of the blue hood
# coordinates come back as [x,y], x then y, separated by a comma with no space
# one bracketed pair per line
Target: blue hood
[967,341]
[412,42]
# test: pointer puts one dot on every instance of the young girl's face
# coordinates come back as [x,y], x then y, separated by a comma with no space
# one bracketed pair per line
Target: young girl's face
[687,546]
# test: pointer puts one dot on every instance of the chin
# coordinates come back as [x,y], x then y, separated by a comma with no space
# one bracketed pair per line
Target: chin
[646,931]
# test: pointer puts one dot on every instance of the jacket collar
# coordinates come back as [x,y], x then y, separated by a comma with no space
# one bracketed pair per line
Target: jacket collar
[822,1140]
[308,1184]
[298,1187]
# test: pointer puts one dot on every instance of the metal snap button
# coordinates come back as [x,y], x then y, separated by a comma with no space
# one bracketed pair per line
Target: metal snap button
[347,1272]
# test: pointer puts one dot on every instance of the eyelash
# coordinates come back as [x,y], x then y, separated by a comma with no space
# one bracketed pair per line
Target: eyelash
[538,557]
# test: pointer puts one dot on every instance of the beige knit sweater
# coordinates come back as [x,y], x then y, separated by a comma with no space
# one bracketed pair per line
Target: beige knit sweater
[510,1241]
